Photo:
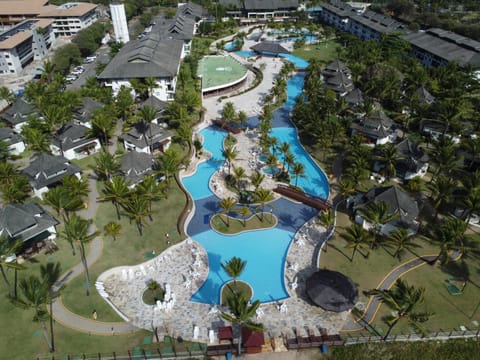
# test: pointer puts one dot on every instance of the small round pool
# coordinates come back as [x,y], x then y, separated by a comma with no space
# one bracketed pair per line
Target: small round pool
[271,170]
[263,158]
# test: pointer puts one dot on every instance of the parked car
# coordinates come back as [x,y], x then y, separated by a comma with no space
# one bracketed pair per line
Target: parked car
[77,71]
[71,78]
[90,59]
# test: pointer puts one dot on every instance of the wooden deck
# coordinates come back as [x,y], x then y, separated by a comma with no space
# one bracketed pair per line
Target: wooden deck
[320,204]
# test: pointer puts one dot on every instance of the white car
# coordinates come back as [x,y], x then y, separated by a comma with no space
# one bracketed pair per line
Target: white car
[77,71]
[71,78]
[90,59]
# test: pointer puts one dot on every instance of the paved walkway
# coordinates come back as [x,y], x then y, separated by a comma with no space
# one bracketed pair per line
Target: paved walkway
[388,281]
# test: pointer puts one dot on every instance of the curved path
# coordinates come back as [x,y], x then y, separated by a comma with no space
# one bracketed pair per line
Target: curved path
[387,282]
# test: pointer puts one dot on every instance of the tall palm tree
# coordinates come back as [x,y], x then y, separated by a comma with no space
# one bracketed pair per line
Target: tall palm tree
[256,179]
[441,192]
[404,301]
[228,112]
[116,191]
[17,191]
[106,165]
[377,214]
[240,313]
[150,83]
[112,229]
[298,171]
[262,197]
[345,187]
[234,268]
[229,154]
[168,164]
[50,274]
[102,127]
[7,251]
[284,150]
[36,140]
[148,114]
[227,205]
[76,186]
[289,160]
[8,172]
[387,156]
[151,190]
[402,242]
[76,231]
[35,295]
[449,235]
[136,207]
[244,212]
[63,201]
[7,95]
[239,174]
[358,240]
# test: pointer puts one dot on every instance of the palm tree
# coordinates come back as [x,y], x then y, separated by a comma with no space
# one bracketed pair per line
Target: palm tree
[388,157]
[244,212]
[241,311]
[63,201]
[441,192]
[148,114]
[284,150]
[7,95]
[124,102]
[229,154]
[262,197]
[234,268]
[17,191]
[239,174]
[106,165]
[228,112]
[357,239]
[76,232]
[289,160]
[36,140]
[377,214]
[298,171]
[403,300]
[136,207]
[36,296]
[4,151]
[345,187]
[112,229]
[449,235]
[150,83]
[242,118]
[471,203]
[76,186]
[102,127]
[7,252]
[256,179]
[50,274]
[55,116]
[116,191]
[227,205]
[151,190]
[168,163]
[402,242]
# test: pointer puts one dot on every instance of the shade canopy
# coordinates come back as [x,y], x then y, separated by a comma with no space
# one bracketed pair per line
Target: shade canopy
[269,47]
[332,290]
[225,333]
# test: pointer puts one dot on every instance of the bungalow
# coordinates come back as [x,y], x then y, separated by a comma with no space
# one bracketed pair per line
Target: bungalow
[13,140]
[413,160]
[424,97]
[336,67]
[354,99]
[397,200]
[73,142]
[377,128]
[17,114]
[46,171]
[84,113]
[340,83]
[29,223]
[434,129]
[135,166]
[147,138]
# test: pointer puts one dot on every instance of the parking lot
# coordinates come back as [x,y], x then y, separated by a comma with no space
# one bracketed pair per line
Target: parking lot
[103,57]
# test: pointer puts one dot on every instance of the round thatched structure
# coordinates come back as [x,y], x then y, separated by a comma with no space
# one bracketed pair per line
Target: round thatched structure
[332,290]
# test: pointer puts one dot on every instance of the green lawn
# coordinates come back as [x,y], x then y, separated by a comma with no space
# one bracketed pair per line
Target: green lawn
[324,51]
[219,223]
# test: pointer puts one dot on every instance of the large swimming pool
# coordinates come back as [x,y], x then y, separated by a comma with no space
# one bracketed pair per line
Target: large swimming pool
[264,250]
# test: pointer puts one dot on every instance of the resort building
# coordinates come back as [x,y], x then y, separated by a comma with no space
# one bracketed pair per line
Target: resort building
[84,113]
[150,139]
[46,171]
[260,10]
[72,142]
[135,166]
[14,141]
[16,116]
[377,128]
[29,40]
[156,54]
[13,12]
[435,47]
[70,18]
[29,223]
[361,22]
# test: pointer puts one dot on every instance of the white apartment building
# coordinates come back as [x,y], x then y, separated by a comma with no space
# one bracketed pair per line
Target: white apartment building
[25,42]
[119,20]
[70,18]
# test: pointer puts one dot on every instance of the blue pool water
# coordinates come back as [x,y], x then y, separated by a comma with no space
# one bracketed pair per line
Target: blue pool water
[263,158]
[265,252]
[271,170]
[299,62]
[230,46]
[245,54]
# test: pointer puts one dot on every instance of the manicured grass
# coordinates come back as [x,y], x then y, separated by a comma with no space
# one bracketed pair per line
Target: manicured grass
[232,225]
[86,162]
[324,51]
[235,287]
[129,249]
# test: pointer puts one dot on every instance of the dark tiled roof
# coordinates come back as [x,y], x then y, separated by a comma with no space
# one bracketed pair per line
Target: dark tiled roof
[85,111]
[261,4]
[424,96]
[192,9]
[412,157]
[335,67]
[46,169]
[155,103]
[23,221]
[354,97]
[270,47]
[396,200]
[153,132]
[9,136]
[136,165]
[340,83]
[71,136]
[447,45]
[376,126]
[18,112]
